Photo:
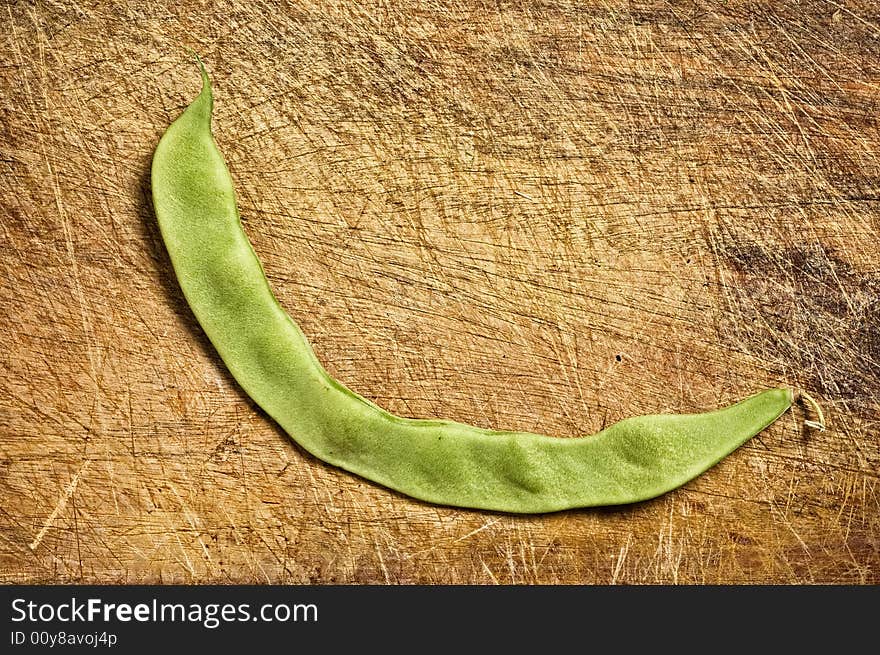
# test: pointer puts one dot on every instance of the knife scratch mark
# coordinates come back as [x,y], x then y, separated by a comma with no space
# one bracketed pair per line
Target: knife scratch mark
[487,524]
[382,565]
[59,507]
[489,572]
[618,565]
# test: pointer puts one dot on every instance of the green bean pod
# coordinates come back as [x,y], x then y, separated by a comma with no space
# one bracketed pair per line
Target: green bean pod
[438,461]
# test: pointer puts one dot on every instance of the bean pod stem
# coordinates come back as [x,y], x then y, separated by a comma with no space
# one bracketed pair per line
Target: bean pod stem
[438,461]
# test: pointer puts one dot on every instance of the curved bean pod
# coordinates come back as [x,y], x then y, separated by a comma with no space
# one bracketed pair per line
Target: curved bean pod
[438,461]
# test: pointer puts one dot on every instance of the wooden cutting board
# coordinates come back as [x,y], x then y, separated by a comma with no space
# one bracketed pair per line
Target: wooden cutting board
[541,216]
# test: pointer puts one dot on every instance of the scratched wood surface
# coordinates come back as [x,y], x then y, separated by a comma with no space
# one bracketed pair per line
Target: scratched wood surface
[543,216]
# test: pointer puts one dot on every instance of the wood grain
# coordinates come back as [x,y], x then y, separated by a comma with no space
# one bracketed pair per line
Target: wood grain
[542,216]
